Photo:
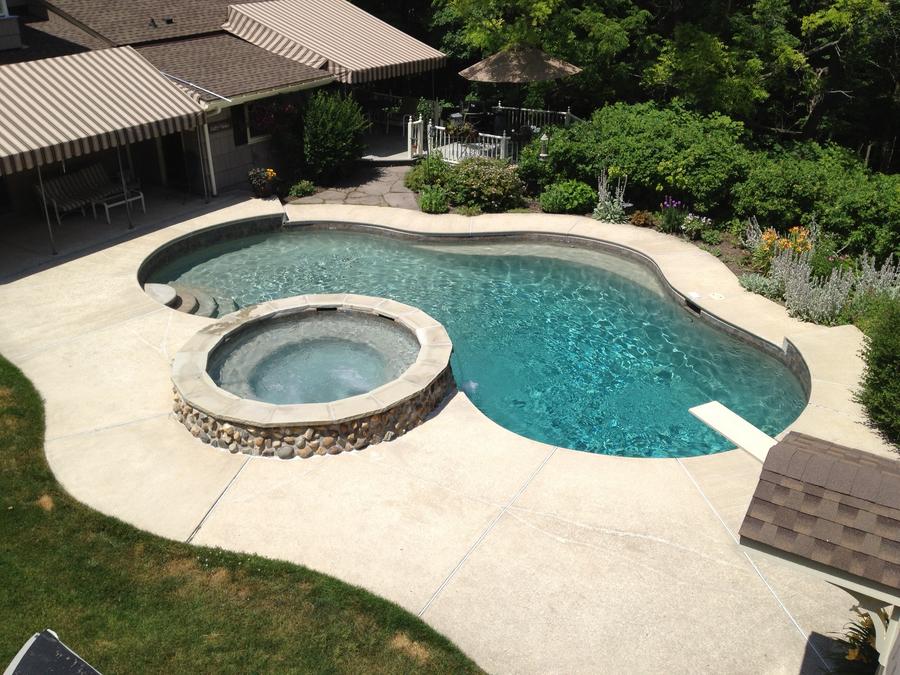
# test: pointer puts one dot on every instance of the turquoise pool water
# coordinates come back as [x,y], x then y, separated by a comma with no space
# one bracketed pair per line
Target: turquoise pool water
[567,346]
[313,357]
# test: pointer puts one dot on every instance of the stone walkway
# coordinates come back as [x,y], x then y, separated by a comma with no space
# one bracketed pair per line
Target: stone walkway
[532,558]
[371,185]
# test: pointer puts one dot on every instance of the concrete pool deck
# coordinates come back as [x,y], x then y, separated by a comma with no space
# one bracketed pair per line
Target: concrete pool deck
[531,558]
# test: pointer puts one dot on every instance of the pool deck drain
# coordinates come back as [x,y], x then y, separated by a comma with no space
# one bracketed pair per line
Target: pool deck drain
[532,559]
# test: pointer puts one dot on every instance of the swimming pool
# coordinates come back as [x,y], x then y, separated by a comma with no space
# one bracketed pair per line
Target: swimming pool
[569,346]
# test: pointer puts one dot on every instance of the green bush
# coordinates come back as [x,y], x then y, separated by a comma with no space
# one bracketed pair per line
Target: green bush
[333,129]
[880,393]
[661,150]
[711,237]
[302,188]
[827,184]
[571,196]
[433,199]
[491,185]
[432,170]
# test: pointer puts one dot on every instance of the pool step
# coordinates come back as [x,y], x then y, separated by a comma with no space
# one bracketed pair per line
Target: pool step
[186,302]
[208,305]
[226,306]
[200,301]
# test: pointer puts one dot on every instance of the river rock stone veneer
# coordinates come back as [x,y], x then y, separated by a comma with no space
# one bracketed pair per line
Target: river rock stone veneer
[223,420]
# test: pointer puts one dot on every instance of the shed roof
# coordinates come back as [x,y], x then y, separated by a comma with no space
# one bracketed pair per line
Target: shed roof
[229,66]
[830,504]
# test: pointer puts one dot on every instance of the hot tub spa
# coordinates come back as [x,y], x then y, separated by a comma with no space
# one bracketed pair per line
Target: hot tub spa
[316,374]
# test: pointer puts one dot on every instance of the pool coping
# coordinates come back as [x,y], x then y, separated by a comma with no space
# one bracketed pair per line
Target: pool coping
[196,388]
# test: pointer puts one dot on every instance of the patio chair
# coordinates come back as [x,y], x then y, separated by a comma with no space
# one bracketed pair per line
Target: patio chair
[75,191]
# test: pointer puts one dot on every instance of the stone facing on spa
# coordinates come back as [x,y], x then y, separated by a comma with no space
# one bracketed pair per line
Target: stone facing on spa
[225,421]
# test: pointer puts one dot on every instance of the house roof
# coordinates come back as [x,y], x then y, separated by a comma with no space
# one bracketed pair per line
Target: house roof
[53,36]
[332,34]
[228,66]
[73,105]
[131,22]
[830,504]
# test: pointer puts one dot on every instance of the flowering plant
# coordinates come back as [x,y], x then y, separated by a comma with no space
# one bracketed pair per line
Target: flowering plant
[693,225]
[673,215]
[262,181]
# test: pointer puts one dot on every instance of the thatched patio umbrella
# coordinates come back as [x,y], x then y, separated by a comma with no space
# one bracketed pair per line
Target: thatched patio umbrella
[519,65]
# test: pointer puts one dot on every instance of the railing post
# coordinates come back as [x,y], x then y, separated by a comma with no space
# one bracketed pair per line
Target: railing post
[409,138]
[503,145]
[420,136]
[568,115]
[430,133]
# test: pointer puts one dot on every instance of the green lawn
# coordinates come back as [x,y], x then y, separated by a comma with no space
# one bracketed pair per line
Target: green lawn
[128,601]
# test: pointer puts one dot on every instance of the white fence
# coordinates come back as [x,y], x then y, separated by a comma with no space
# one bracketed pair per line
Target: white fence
[423,137]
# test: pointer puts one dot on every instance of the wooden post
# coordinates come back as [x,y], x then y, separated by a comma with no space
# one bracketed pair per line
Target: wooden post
[430,134]
[503,145]
[568,115]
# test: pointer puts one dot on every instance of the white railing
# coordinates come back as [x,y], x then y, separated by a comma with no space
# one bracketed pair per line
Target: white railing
[454,147]
[415,138]
[425,137]
[516,118]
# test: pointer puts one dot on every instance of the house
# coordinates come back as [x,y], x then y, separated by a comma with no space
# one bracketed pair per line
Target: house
[226,57]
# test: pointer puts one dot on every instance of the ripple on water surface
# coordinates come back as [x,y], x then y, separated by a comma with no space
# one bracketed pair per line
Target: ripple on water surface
[568,346]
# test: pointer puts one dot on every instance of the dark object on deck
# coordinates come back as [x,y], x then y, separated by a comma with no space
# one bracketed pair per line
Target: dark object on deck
[519,65]
[45,654]
[831,505]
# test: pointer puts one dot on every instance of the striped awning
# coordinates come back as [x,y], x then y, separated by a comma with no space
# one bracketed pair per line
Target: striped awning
[335,35]
[74,105]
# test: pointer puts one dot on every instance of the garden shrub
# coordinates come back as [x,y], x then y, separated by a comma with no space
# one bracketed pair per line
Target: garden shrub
[432,170]
[433,199]
[333,129]
[660,149]
[828,185]
[302,188]
[571,196]
[711,237]
[880,392]
[644,219]
[491,185]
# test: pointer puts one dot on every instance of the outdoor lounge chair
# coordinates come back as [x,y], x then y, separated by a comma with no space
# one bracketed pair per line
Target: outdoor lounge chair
[74,191]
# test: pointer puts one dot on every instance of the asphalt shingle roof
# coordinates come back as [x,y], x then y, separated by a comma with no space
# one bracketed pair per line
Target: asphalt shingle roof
[830,504]
[130,22]
[227,65]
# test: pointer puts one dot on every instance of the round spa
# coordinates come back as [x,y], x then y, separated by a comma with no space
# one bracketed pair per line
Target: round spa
[313,374]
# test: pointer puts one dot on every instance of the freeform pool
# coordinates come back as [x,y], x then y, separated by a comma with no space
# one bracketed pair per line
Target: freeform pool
[569,346]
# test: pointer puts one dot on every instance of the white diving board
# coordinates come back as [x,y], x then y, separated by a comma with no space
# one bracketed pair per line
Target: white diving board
[735,428]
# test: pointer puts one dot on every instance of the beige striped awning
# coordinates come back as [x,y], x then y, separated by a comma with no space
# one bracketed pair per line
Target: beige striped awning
[335,35]
[73,105]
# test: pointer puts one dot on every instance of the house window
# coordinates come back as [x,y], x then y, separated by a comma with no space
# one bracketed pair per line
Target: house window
[259,124]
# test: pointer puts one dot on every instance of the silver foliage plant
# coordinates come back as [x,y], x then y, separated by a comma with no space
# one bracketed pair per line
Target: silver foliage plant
[822,300]
[610,203]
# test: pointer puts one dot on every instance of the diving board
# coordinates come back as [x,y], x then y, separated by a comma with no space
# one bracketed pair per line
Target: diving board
[735,428]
